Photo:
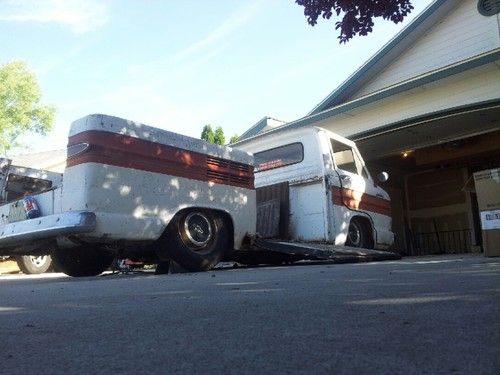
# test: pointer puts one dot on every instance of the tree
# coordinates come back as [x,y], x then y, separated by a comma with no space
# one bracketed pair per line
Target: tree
[234,139]
[20,108]
[219,137]
[357,16]
[207,134]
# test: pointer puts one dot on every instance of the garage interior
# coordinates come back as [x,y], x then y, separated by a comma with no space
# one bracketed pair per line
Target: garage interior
[431,162]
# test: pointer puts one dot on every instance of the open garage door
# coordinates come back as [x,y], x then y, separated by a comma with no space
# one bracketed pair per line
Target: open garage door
[430,161]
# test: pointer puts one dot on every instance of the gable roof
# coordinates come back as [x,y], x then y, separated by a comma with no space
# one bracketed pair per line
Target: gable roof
[313,119]
[264,124]
[392,49]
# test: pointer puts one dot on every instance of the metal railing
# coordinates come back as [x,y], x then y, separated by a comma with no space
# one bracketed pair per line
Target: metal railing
[442,242]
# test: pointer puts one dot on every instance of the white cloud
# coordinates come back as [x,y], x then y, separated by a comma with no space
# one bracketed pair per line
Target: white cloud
[80,16]
[236,20]
[210,44]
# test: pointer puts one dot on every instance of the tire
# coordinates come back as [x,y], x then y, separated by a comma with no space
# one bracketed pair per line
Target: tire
[33,265]
[82,261]
[195,239]
[358,235]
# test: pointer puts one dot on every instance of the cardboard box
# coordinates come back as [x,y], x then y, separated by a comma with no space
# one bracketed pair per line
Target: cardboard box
[488,198]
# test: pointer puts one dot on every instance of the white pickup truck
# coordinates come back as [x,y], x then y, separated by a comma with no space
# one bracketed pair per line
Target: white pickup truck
[133,190]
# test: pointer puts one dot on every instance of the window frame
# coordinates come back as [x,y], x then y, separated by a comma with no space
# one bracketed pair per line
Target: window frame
[358,161]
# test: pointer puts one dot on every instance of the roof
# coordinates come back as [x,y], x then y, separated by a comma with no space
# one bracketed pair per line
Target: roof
[378,61]
[54,160]
[106,125]
[265,123]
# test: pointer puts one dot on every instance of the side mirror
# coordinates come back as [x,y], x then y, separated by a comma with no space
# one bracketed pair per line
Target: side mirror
[383,176]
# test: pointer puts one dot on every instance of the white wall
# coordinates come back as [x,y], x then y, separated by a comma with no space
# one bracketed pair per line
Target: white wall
[473,86]
[462,34]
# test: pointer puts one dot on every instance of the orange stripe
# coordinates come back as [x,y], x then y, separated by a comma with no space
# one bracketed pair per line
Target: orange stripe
[129,152]
[356,200]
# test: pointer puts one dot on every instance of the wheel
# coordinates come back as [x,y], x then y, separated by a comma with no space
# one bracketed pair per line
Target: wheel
[82,261]
[195,239]
[32,264]
[358,235]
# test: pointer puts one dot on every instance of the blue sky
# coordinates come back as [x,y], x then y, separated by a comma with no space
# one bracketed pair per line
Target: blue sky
[179,65]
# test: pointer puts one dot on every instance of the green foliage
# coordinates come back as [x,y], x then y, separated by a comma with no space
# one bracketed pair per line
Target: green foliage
[357,15]
[207,134]
[20,108]
[219,137]
[234,138]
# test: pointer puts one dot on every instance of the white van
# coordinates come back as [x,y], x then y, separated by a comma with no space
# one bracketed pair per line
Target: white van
[332,197]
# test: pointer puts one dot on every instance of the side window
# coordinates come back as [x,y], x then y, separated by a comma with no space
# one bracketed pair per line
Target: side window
[347,159]
[279,157]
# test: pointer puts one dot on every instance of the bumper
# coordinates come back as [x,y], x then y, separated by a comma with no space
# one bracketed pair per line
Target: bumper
[45,227]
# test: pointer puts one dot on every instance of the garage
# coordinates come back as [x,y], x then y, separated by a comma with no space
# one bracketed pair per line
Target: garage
[426,109]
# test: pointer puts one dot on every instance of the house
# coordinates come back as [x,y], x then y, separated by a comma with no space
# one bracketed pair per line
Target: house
[54,160]
[426,108]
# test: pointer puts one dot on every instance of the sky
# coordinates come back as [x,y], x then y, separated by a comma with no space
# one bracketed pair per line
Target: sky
[179,65]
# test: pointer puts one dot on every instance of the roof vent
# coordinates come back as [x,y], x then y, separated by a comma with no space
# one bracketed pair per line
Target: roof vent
[488,7]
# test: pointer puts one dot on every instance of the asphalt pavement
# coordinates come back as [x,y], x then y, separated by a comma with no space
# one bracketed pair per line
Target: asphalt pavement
[414,316]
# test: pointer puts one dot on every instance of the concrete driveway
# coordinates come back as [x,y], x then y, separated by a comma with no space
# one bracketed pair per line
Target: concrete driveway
[417,315]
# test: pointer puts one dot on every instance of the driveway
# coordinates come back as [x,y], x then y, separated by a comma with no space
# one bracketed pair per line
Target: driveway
[417,315]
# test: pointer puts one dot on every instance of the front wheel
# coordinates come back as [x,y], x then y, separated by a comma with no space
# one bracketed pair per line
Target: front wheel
[82,261]
[195,239]
[32,264]
[358,235]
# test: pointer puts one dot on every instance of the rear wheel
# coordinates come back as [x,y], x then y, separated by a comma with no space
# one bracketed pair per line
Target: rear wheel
[195,239]
[31,264]
[358,234]
[82,261]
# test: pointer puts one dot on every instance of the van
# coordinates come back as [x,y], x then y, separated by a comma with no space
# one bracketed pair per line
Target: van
[332,195]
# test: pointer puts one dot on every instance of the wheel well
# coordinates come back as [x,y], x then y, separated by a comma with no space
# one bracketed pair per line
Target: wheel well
[229,222]
[223,214]
[365,222]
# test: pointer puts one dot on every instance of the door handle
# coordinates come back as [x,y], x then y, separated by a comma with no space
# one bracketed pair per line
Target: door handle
[345,177]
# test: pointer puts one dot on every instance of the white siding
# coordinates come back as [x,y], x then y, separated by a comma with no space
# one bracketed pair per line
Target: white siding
[460,35]
[473,86]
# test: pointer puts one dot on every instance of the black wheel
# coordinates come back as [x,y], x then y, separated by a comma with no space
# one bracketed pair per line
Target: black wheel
[82,261]
[358,235]
[195,239]
[32,264]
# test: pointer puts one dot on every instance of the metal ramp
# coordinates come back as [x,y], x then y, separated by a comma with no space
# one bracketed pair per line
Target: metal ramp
[320,251]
